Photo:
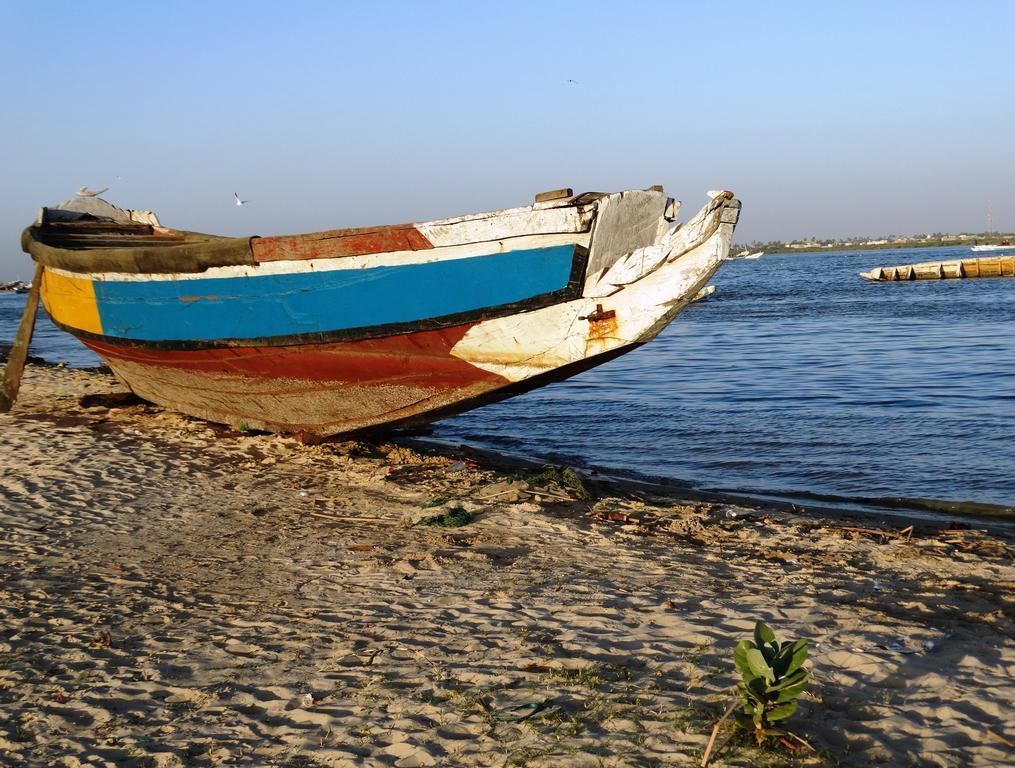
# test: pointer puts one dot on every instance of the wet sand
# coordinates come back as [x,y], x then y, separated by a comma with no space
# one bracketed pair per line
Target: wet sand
[175,594]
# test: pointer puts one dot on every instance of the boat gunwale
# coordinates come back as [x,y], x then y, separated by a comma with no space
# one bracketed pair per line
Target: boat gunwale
[200,251]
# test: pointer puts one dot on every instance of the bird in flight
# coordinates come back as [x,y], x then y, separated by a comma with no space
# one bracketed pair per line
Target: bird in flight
[573,82]
[238,201]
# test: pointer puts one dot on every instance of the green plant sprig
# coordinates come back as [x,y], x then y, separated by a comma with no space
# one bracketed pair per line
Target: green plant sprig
[772,677]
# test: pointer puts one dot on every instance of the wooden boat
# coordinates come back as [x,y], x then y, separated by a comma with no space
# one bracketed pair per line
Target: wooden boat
[351,329]
[1003,246]
[998,266]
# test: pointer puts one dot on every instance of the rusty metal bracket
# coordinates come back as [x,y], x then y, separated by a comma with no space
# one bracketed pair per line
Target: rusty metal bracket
[599,314]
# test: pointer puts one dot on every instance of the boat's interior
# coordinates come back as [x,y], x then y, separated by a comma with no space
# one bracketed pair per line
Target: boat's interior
[94,236]
[93,232]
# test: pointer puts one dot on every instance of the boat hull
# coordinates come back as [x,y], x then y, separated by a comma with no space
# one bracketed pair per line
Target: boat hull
[315,388]
[991,248]
[324,389]
[317,340]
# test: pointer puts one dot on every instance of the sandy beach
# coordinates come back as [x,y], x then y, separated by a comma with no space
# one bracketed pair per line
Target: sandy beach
[176,594]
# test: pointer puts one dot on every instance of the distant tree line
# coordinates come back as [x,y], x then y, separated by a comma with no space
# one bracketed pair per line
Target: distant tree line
[866,242]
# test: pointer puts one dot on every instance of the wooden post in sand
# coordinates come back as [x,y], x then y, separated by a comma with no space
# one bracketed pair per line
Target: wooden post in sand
[19,351]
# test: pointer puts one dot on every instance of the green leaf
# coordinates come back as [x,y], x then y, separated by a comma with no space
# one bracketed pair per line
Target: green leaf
[782,660]
[758,665]
[740,656]
[781,711]
[787,694]
[798,654]
[455,517]
[763,634]
[749,694]
[786,682]
[758,688]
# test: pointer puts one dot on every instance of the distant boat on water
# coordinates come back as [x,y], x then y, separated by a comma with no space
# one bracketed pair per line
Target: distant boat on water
[1003,246]
[748,255]
[351,329]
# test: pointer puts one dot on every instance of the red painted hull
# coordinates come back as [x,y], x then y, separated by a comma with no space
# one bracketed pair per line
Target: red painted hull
[338,243]
[316,388]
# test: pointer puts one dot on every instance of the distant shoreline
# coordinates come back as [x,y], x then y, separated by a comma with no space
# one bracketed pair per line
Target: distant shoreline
[888,245]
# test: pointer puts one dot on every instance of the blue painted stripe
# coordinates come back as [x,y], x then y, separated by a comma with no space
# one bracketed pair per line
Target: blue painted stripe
[319,302]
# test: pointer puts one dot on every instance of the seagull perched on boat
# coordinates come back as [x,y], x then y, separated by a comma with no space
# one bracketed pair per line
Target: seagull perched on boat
[238,201]
[84,192]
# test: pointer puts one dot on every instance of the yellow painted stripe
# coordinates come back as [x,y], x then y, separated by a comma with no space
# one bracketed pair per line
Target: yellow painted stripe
[71,301]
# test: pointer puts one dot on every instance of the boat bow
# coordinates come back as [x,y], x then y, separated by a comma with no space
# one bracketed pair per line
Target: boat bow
[627,305]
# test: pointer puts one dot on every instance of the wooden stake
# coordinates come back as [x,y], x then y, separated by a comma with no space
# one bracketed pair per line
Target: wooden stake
[715,732]
[19,351]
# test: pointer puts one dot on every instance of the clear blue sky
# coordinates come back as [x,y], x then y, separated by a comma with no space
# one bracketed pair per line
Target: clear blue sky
[856,118]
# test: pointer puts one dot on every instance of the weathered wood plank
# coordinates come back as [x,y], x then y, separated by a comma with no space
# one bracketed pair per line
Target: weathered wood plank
[11,382]
[338,243]
[516,223]
[554,194]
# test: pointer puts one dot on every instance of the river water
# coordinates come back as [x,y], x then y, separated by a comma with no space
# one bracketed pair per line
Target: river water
[795,379]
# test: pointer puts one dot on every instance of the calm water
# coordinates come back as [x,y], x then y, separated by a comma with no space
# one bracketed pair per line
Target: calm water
[795,376]
[48,341]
